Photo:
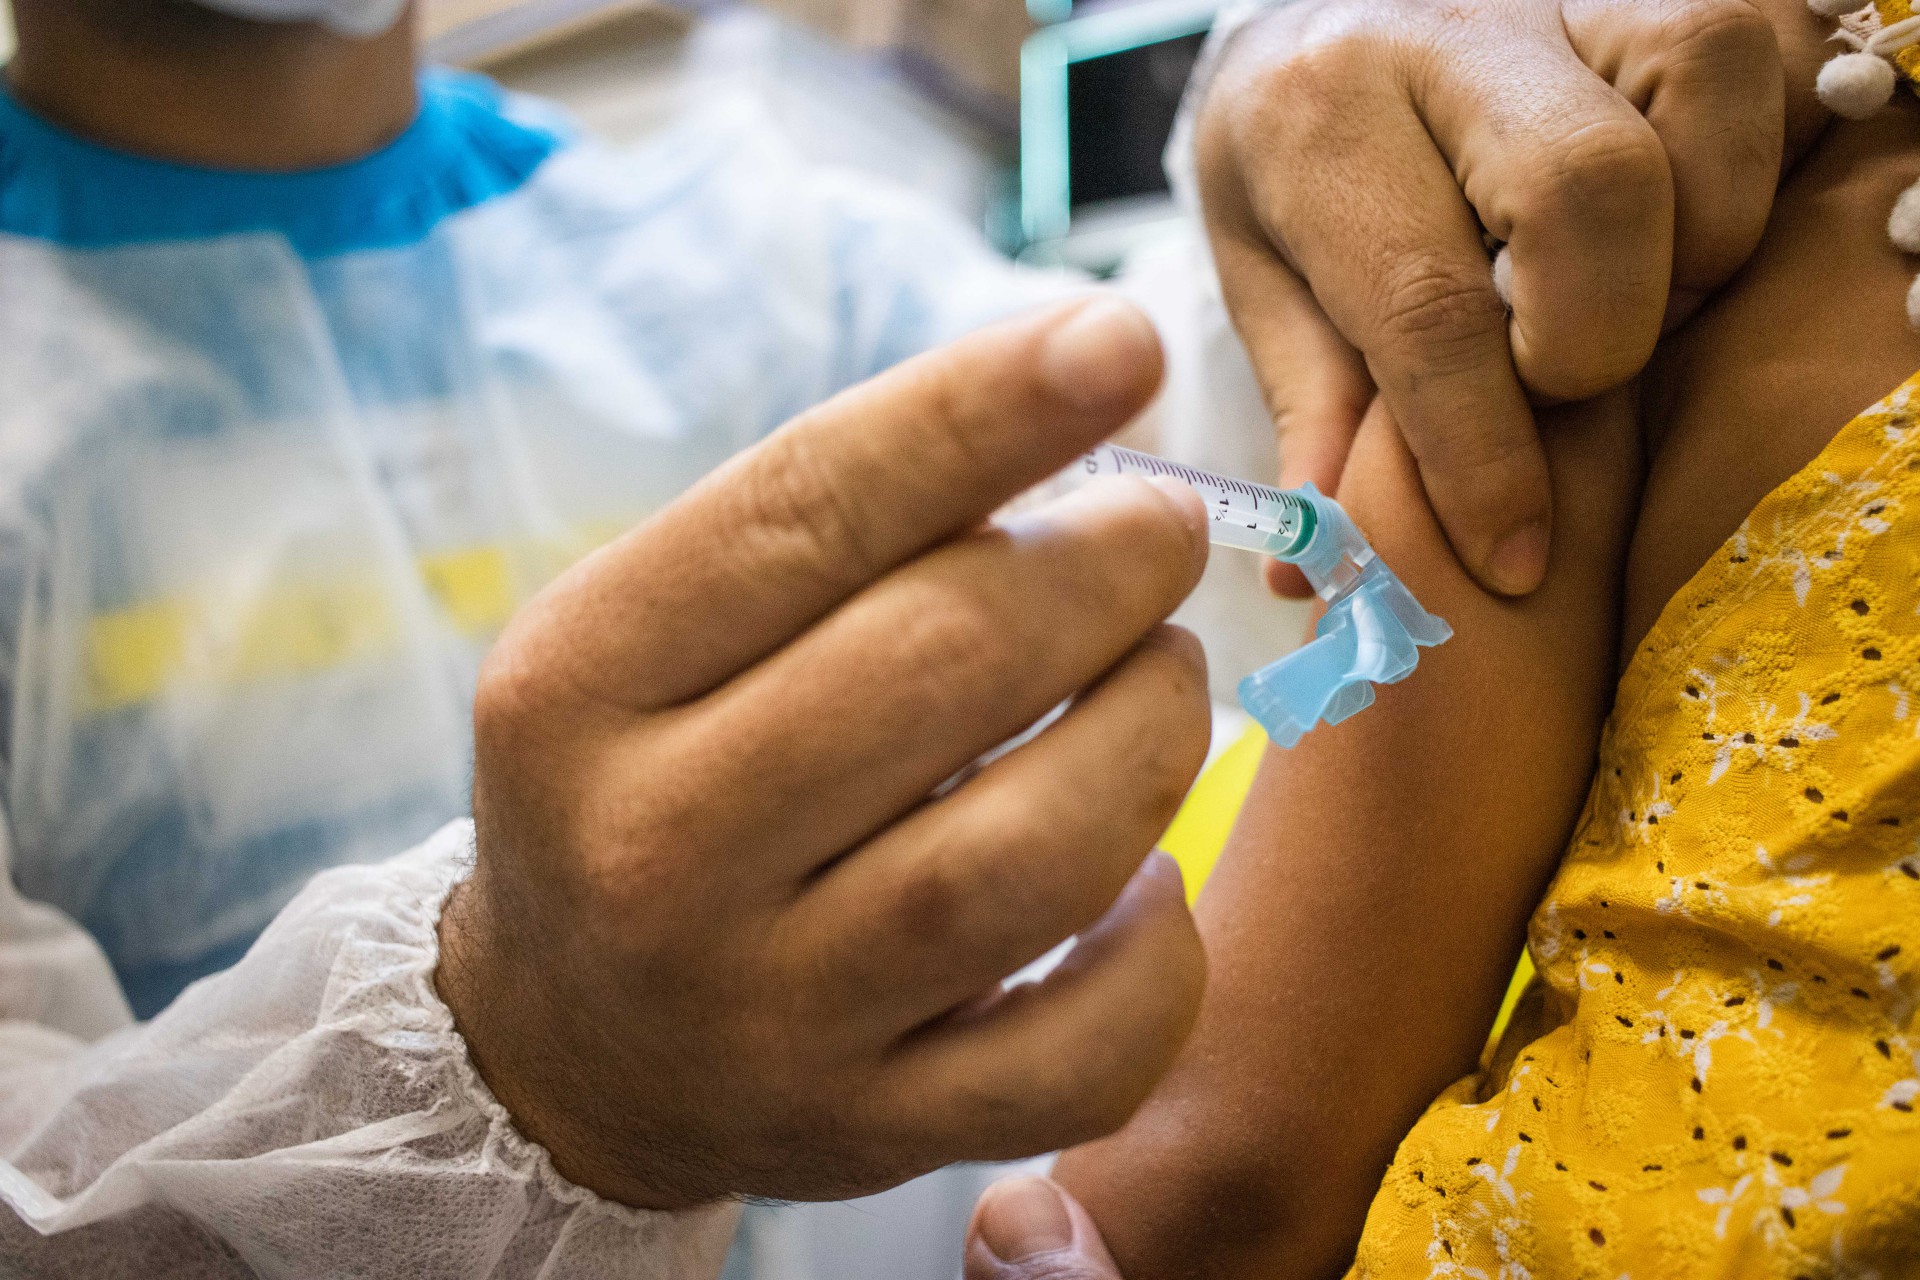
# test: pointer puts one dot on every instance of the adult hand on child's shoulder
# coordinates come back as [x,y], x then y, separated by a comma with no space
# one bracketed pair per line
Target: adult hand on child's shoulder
[1358,160]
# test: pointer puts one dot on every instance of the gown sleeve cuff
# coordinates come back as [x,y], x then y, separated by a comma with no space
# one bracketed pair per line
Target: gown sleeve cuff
[425,877]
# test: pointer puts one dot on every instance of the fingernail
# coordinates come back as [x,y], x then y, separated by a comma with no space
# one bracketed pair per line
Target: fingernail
[1519,560]
[1163,864]
[1023,1217]
[1099,355]
[1191,507]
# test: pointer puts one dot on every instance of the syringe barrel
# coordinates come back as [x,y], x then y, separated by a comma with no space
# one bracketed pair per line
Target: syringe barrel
[1240,513]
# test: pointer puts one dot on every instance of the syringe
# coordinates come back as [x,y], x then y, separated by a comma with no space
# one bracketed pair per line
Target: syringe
[1373,629]
[1257,517]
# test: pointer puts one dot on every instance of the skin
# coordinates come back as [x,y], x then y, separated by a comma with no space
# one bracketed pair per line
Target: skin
[558,862]
[719,942]
[1656,131]
[199,88]
[1337,929]
[708,954]
[1351,154]
[704,954]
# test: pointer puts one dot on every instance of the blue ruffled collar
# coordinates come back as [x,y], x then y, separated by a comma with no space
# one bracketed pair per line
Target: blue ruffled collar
[462,149]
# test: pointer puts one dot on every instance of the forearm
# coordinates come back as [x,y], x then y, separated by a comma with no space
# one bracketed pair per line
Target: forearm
[1365,917]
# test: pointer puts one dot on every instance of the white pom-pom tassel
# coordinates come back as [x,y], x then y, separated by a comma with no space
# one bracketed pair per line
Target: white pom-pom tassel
[1856,85]
[1503,275]
[1903,224]
[1833,8]
[1913,303]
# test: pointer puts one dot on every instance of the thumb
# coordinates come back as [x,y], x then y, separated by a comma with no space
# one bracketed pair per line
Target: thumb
[1029,1228]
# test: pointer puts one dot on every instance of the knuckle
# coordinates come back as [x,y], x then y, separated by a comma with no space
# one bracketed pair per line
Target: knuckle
[805,516]
[1295,67]
[1304,92]
[1186,660]
[1003,882]
[1724,37]
[1053,895]
[952,649]
[510,693]
[943,903]
[1158,755]
[1476,457]
[1609,168]
[1442,311]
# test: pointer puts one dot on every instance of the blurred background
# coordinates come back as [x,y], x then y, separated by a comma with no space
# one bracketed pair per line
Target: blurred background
[1040,121]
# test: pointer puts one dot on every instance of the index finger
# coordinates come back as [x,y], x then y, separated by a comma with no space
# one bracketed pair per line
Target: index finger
[1393,253]
[772,541]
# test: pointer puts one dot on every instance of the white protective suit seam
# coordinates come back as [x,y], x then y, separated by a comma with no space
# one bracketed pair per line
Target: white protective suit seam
[446,859]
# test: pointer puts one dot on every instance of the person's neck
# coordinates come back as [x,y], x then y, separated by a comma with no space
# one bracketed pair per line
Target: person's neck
[279,99]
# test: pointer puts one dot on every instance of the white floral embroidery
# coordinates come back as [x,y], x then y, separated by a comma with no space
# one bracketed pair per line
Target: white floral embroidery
[1501,1182]
[1842,1267]
[1703,1046]
[1789,871]
[1901,1093]
[1858,507]
[1726,1198]
[1684,896]
[1816,1194]
[1768,735]
[1440,1254]
[1549,934]
[1804,886]
[1902,699]
[1703,687]
[1687,1043]
[1638,820]
[1592,973]
[1782,1210]
[1766,994]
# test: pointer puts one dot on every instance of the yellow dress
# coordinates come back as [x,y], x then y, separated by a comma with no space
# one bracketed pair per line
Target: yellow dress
[1715,1071]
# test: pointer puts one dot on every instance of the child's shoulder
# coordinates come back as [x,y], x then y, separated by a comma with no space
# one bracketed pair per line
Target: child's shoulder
[1809,334]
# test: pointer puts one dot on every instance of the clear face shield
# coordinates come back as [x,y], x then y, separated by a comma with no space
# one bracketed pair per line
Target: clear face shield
[357,18]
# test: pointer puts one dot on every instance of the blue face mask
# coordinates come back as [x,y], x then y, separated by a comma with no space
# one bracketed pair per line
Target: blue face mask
[361,18]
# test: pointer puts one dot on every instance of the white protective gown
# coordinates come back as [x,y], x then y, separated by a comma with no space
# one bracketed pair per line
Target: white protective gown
[278,456]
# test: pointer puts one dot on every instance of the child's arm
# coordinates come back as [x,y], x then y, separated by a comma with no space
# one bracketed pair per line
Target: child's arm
[1366,916]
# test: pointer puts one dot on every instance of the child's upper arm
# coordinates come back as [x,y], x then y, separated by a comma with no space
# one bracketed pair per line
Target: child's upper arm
[1366,915]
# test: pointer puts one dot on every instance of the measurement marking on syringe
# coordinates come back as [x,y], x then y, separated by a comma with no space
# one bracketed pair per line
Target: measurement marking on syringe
[1242,514]
[1161,466]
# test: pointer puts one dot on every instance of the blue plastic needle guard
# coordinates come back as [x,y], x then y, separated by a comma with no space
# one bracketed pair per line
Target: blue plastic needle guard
[1372,633]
